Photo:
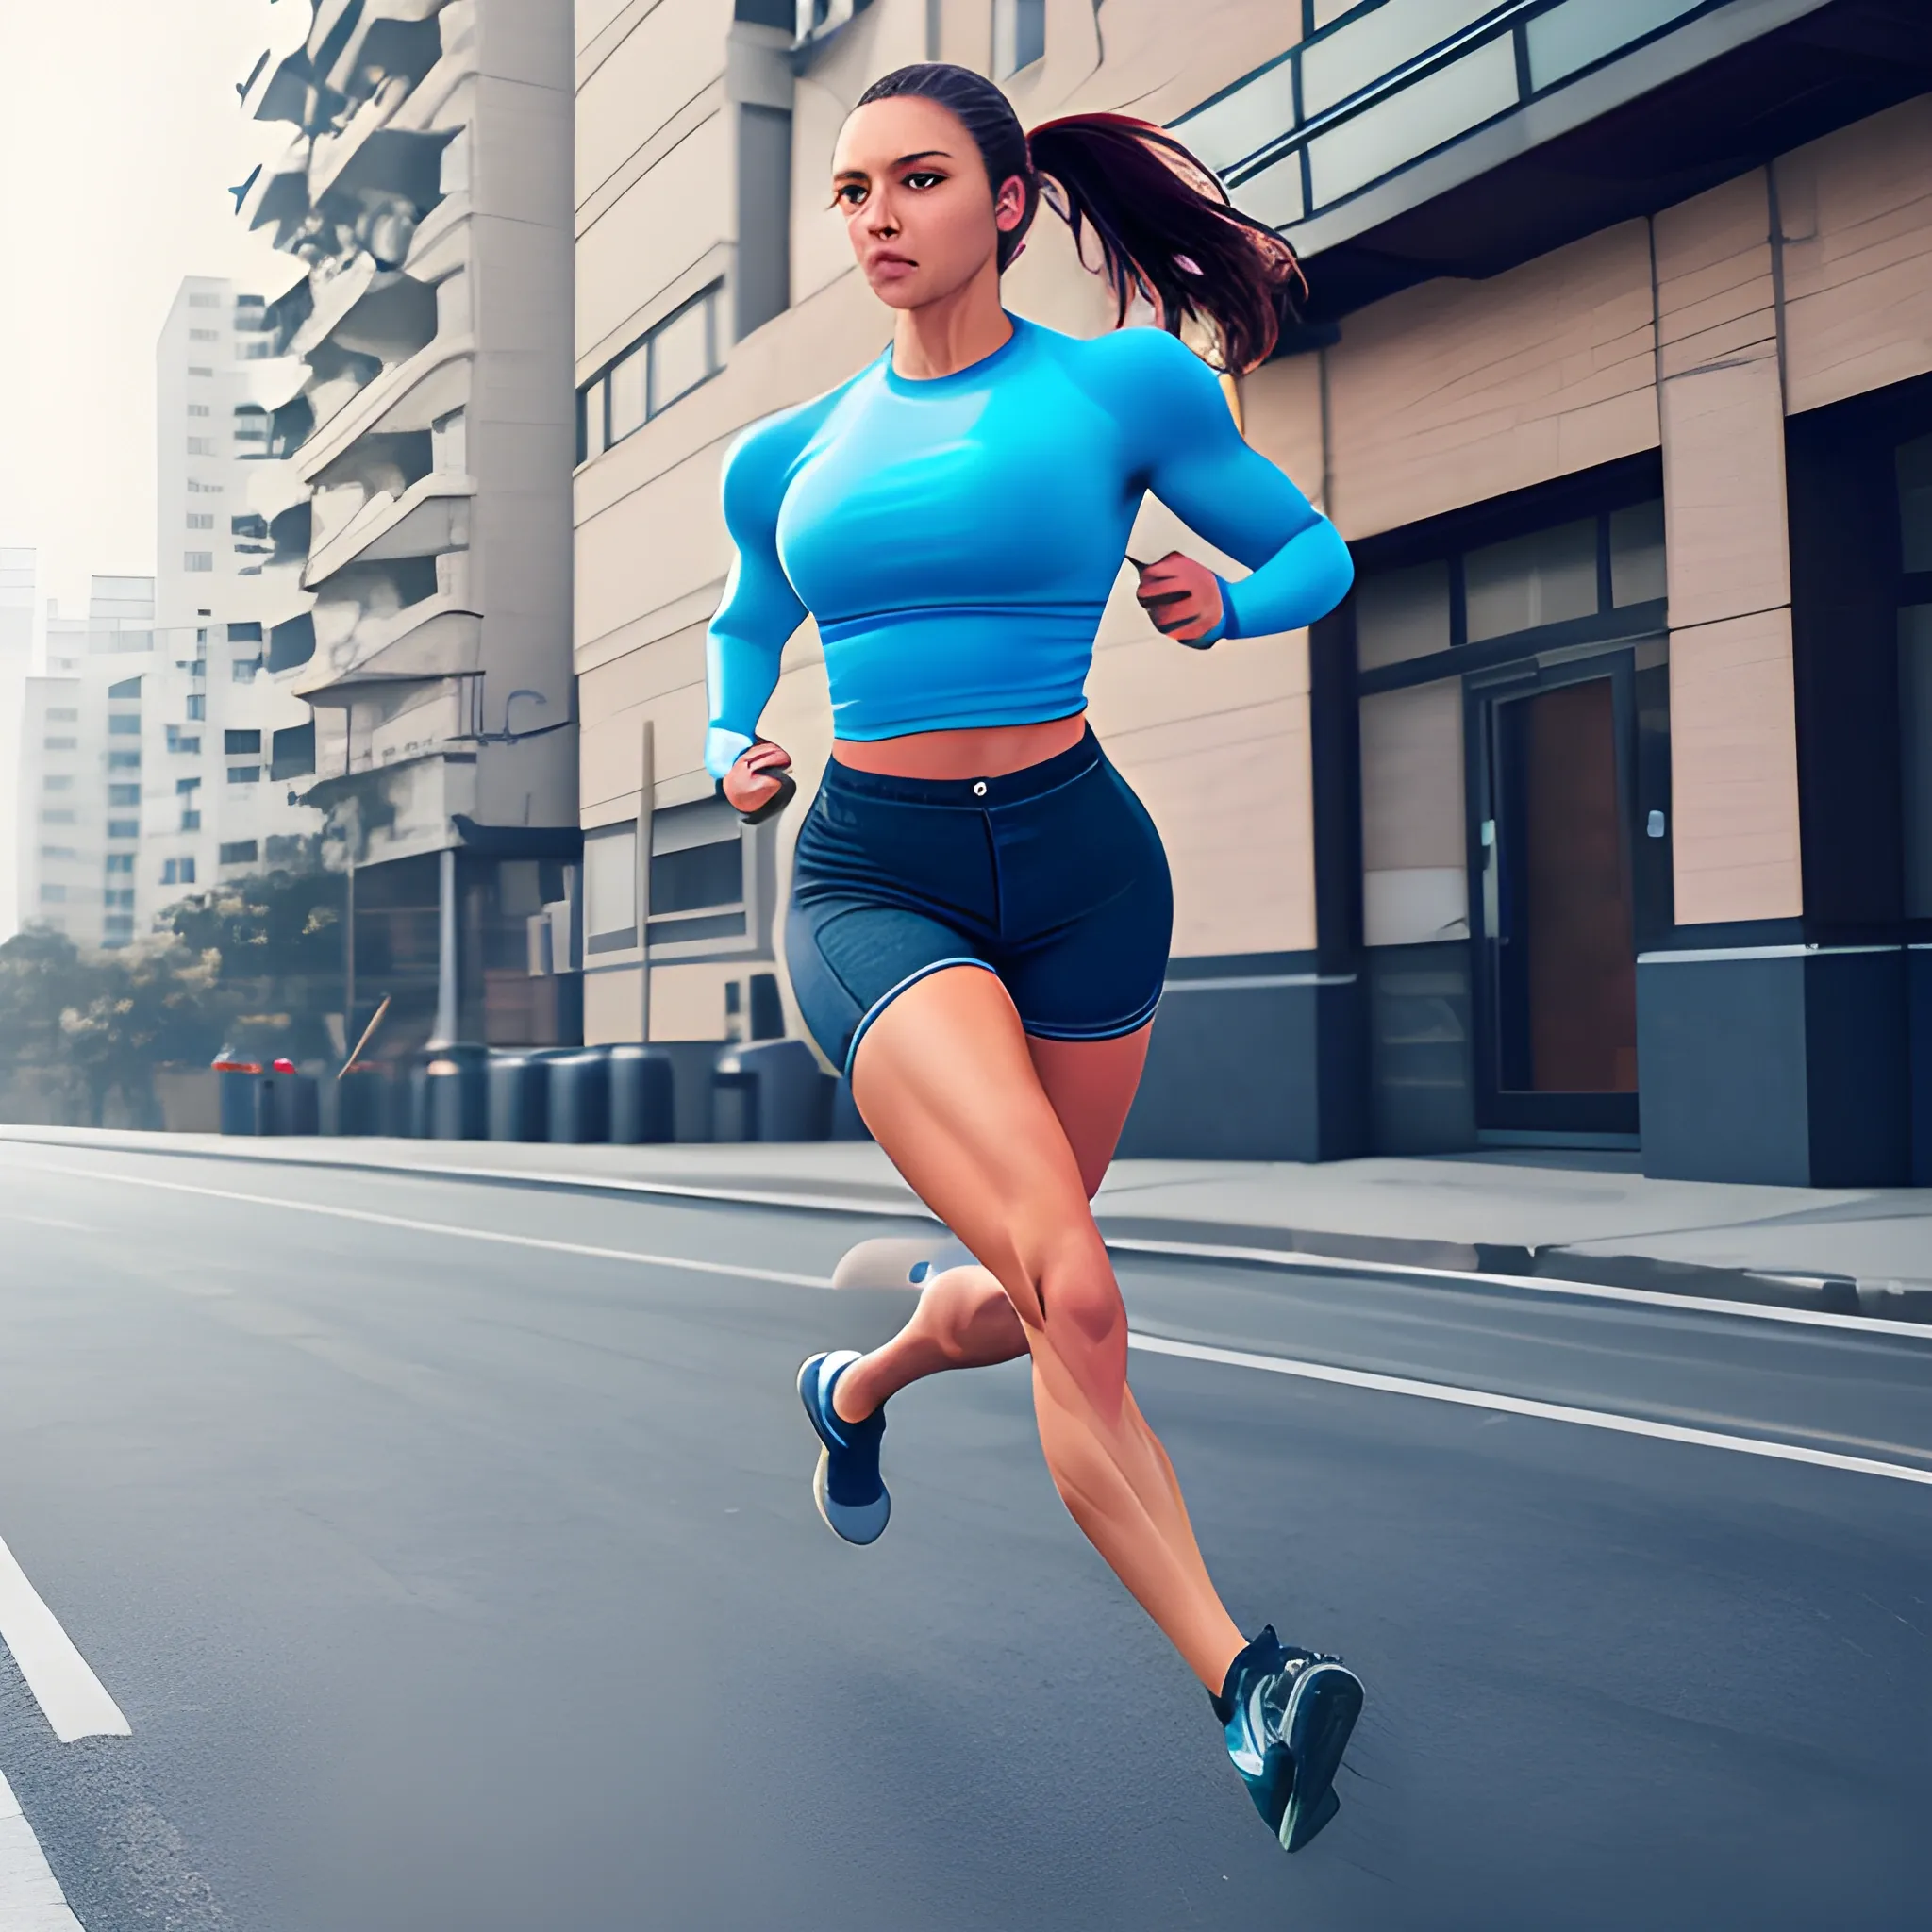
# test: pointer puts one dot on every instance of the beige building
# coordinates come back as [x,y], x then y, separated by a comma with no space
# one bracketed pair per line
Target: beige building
[1602,814]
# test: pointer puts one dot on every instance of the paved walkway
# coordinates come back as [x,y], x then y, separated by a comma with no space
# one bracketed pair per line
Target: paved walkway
[1584,1217]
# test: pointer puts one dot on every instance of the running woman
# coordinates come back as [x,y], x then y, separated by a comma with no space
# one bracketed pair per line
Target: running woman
[980,907]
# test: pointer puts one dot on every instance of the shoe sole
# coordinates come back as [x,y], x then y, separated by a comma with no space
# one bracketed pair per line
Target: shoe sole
[1321,1717]
[863,1525]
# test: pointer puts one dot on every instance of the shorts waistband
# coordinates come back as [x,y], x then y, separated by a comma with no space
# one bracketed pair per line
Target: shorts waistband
[968,794]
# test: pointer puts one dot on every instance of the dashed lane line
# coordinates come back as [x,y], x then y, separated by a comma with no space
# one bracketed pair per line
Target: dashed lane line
[75,1701]
[30,1896]
[1152,1344]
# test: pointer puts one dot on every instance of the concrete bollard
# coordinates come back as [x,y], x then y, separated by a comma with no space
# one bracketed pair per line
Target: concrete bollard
[579,1097]
[772,1089]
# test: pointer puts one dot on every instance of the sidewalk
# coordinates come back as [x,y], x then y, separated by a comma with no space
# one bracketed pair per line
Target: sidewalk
[1575,1217]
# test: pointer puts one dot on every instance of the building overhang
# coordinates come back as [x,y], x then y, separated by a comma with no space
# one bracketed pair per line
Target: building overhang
[1549,153]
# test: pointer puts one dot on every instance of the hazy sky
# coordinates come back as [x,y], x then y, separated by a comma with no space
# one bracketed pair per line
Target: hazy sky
[119,134]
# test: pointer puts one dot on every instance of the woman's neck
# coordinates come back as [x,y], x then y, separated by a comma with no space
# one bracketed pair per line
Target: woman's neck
[941,337]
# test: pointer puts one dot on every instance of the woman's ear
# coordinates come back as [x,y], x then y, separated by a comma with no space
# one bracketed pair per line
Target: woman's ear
[1009,205]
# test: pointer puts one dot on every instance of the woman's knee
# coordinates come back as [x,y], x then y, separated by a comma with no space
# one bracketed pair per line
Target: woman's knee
[1084,1312]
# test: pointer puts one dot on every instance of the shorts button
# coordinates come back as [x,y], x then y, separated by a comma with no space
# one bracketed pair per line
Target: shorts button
[979,787]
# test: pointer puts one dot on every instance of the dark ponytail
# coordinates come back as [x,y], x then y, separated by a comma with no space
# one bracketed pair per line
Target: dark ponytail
[1165,223]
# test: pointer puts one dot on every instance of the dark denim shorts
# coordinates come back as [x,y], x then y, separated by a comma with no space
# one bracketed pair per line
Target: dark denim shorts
[1051,877]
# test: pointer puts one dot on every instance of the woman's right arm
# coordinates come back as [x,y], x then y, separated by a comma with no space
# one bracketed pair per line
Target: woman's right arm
[760,610]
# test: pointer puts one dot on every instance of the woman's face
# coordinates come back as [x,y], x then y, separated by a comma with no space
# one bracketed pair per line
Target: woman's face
[922,219]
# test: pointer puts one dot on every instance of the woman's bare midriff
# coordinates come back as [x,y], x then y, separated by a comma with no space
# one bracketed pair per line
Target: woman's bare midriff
[987,751]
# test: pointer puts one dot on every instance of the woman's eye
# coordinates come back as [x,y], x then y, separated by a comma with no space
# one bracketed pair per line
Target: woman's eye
[850,195]
[923,177]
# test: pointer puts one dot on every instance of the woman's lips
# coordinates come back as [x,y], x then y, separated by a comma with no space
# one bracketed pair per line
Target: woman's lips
[892,265]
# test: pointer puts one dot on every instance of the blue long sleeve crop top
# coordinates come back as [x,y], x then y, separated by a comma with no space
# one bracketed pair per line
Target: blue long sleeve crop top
[956,537]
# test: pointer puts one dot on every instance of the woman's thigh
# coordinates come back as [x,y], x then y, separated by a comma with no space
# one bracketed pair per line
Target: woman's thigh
[946,1081]
[1091,1085]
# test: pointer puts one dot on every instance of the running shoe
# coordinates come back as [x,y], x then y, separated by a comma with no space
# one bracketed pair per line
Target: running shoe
[1287,1715]
[897,1261]
[847,1488]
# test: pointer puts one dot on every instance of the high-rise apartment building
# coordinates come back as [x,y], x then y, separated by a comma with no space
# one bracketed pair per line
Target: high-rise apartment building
[419,516]
[226,733]
[82,765]
[1599,815]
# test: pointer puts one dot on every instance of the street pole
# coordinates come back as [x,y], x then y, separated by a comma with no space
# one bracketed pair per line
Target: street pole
[446,954]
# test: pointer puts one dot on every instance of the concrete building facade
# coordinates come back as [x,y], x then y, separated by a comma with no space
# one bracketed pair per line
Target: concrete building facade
[414,495]
[81,774]
[17,571]
[1599,814]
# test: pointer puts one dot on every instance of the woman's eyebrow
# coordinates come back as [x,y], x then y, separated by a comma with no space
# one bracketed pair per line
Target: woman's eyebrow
[903,160]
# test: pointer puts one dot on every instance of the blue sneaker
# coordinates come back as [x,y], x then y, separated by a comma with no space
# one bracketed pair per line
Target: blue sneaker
[847,1489]
[1287,1715]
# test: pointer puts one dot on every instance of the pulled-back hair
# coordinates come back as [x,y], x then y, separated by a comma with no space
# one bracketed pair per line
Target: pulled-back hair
[1165,223]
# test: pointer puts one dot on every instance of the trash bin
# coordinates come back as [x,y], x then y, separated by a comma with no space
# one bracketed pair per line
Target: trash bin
[579,1096]
[297,1108]
[519,1093]
[362,1099]
[235,1080]
[642,1099]
[456,1095]
[772,1089]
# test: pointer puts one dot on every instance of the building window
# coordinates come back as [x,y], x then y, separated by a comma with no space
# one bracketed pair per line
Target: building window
[201,445]
[193,370]
[244,774]
[699,869]
[125,727]
[203,298]
[243,670]
[236,741]
[204,334]
[200,520]
[119,896]
[198,489]
[123,761]
[124,794]
[1019,35]
[128,688]
[62,714]
[240,852]
[53,895]
[57,782]
[197,559]
[177,872]
[292,752]
[191,821]
[58,852]
[57,818]
[60,744]
[611,889]
[669,361]
[177,741]
[120,862]
[197,709]
[123,828]
[197,408]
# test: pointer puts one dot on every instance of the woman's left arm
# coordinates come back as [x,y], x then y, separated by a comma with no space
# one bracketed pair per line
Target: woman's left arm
[1200,466]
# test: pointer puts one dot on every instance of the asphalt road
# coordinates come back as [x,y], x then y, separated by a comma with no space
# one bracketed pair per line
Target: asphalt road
[452,1582]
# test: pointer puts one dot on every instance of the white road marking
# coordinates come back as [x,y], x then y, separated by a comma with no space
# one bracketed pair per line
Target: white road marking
[468,1234]
[69,1694]
[1522,1405]
[30,1896]
[1291,1260]
[1155,1345]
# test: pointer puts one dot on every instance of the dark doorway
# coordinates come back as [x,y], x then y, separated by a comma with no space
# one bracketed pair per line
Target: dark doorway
[1558,916]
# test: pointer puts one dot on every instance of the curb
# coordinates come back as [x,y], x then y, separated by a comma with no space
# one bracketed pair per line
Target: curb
[1906,1300]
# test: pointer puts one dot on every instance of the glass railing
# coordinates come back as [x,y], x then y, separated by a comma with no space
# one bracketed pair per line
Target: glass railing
[1374,89]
